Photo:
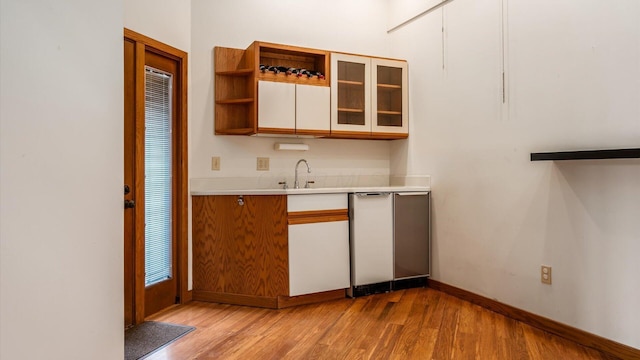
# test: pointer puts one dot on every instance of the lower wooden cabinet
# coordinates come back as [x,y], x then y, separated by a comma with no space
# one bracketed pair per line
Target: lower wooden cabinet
[240,246]
[270,250]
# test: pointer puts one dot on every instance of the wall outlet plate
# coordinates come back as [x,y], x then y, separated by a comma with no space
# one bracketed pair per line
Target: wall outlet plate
[262,164]
[215,163]
[545,274]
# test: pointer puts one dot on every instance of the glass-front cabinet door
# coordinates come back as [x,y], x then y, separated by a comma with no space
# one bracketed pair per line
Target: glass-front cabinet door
[350,94]
[389,96]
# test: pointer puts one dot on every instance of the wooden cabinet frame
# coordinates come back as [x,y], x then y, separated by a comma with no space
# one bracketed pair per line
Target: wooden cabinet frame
[237,73]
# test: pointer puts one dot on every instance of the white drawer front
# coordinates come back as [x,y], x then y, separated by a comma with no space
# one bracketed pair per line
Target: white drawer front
[313,202]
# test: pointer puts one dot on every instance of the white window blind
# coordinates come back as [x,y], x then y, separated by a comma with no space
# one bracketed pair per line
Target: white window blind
[157,194]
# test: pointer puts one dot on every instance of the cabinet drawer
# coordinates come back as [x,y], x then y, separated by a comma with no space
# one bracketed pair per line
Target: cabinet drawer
[314,202]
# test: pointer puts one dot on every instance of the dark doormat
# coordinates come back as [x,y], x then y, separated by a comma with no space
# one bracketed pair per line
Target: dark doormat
[148,337]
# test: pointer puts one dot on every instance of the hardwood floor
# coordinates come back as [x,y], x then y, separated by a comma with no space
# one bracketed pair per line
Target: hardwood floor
[419,323]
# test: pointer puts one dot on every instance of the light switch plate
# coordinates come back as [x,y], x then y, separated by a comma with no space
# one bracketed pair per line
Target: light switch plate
[262,164]
[215,163]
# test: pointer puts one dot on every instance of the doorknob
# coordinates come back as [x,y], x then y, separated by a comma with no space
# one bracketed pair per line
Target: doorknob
[127,189]
[129,204]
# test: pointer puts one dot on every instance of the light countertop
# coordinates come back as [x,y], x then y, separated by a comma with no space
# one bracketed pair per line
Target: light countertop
[302,191]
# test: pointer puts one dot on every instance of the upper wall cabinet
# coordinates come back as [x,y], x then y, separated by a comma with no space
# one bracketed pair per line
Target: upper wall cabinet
[264,90]
[369,97]
[351,95]
[285,108]
[389,97]
[288,90]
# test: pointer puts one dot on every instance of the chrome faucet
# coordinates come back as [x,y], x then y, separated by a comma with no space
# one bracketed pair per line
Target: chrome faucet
[296,184]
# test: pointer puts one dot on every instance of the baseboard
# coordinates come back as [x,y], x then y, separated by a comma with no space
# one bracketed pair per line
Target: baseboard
[568,332]
[236,299]
[286,301]
[278,302]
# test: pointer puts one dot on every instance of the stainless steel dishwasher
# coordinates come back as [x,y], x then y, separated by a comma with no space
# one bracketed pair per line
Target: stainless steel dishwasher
[411,239]
[389,240]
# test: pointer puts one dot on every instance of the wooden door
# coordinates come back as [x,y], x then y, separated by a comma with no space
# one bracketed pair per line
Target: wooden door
[161,284]
[130,183]
[146,60]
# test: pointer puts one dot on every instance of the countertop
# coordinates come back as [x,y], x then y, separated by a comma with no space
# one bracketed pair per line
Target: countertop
[303,191]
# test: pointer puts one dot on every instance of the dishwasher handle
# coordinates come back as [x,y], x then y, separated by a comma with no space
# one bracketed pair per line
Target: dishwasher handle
[412,193]
[373,194]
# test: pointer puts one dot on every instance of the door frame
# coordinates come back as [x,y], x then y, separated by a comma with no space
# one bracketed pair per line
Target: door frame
[181,196]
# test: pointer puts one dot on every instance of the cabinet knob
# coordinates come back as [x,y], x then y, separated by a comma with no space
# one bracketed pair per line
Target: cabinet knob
[240,200]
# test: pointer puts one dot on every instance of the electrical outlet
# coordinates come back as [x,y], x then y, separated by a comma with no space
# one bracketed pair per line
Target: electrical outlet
[262,164]
[215,163]
[545,274]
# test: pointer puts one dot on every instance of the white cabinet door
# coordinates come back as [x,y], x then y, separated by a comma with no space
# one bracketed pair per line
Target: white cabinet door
[350,93]
[371,238]
[390,107]
[318,257]
[276,105]
[313,108]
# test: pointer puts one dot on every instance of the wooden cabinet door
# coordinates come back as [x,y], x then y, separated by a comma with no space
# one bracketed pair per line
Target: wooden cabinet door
[276,107]
[313,110]
[389,97]
[240,245]
[350,94]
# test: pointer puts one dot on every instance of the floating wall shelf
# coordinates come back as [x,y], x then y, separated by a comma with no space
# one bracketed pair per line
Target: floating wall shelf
[587,155]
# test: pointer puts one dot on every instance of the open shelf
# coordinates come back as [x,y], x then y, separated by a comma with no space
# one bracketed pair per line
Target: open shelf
[351,110]
[234,91]
[389,86]
[239,72]
[237,131]
[287,56]
[235,101]
[587,155]
[347,82]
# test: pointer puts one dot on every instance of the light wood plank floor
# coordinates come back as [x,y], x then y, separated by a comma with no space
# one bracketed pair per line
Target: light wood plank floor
[417,323]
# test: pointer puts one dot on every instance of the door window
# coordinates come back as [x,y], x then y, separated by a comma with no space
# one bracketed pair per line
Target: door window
[158,173]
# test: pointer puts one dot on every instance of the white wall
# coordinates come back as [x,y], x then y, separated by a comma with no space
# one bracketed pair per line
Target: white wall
[573,71]
[168,21]
[61,274]
[354,26]
[402,11]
